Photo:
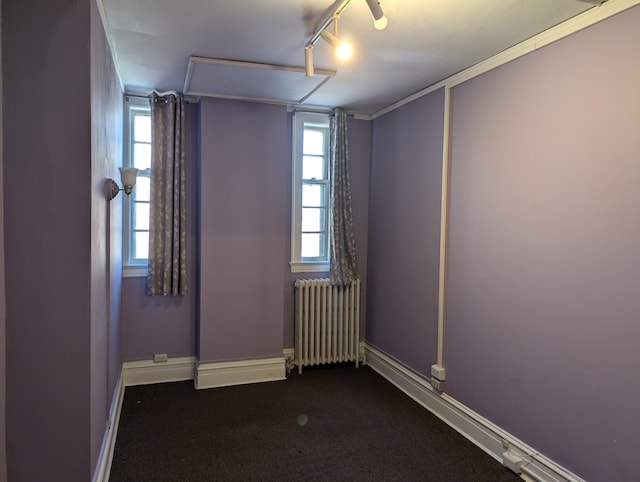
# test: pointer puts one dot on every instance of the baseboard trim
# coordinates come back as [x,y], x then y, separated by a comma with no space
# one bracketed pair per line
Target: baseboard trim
[223,374]
[103,467]
[485,434]
[145,372]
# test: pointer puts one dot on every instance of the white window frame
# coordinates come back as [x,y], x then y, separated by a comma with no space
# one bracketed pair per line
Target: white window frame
[131,267]
[299,264]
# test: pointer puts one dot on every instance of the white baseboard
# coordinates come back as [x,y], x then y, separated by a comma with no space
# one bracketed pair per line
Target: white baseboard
[223,374]
[103,467]
[486,435]
[145,372]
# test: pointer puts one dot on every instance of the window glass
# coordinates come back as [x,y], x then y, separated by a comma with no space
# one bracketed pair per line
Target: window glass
[313,142]
[310,209]
[142,128]
[313,167]
[311,247]
[141,215]
[141,244]
[142,156]
[142,189]
[312,195]
[137,153]
[312,219]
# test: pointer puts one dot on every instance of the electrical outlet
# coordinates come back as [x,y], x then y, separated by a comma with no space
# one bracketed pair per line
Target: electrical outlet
[160,357]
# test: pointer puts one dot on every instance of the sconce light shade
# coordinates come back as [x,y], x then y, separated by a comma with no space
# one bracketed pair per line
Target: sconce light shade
[128,177]
[379,19]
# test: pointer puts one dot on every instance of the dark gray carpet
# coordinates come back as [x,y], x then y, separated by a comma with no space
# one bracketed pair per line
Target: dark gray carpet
[328,424]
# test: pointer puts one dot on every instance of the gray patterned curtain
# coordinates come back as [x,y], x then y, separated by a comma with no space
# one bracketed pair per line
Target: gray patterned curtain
[343,267]
[168,211]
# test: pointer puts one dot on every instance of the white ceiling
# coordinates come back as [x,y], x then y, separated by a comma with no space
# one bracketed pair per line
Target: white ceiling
[426,41]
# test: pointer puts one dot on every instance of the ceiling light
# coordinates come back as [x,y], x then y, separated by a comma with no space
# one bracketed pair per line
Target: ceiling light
[343,49]
[379,19]
[308,60]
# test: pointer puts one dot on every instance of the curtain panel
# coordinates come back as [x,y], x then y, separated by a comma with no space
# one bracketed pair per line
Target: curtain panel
[167,273]
[343,267]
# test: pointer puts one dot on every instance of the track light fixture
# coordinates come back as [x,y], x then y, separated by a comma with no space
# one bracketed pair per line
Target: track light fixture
[343,49]
[379,19]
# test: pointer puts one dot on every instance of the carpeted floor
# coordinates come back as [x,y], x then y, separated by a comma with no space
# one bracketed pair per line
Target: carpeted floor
[334,423]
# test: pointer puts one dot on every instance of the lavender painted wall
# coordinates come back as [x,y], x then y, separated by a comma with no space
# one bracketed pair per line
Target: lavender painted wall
[359,156]
[543,304]
[156,324]
[3,372]
[404,231]
[243,227]
[48,208]
[106,232]
[168,325]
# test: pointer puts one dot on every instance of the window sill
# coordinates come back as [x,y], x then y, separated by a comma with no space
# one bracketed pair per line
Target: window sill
[298,267]
[138,271]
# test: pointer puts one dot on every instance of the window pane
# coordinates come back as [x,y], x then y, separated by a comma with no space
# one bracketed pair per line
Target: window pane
[313,142]
[141,245]
[142,156]
[142,128]
[141,215]
[313,195]
[142,189]
[310,246]
[313,167]
[313,219]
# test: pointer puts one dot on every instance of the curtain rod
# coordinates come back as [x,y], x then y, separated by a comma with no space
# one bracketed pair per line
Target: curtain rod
[189,99]
[352,115]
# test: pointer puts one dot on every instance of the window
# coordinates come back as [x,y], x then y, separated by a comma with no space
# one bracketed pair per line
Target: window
[311,196]
[137,146]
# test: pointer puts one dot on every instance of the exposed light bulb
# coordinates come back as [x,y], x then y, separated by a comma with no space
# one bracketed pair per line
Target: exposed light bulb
[344,51]
[379,19]
[381,23]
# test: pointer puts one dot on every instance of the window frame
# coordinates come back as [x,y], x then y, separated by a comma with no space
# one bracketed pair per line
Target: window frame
[131,266]
[298,263]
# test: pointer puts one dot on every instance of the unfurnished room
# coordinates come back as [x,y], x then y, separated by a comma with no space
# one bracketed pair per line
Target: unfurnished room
[319,240]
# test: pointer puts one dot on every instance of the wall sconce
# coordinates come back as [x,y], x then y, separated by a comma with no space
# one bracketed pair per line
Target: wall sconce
[128,178]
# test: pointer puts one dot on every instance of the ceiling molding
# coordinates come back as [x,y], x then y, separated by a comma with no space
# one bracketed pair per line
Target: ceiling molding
[206,77]
[560,31]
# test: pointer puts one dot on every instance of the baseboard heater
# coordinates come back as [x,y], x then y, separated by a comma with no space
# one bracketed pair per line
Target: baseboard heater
[327,323]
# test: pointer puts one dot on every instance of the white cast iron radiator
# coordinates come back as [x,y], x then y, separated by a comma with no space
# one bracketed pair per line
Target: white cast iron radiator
[327,322]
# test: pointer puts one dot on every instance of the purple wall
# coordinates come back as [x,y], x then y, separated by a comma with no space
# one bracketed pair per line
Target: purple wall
[3,372]
[404,231]
[106,232]
[158,324]
[543,305]
[168,325]
[62,242]
[359,132]
[48,208]
[243,229]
